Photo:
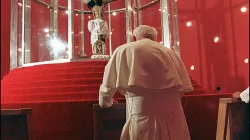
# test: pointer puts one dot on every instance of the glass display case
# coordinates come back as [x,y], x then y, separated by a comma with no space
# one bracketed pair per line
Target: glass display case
[55,31]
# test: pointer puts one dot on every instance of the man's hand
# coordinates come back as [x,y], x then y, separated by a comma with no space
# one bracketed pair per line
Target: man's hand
[115,102]
[237,94]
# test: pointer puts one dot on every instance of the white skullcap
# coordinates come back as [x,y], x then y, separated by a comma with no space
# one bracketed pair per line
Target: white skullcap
[144,31]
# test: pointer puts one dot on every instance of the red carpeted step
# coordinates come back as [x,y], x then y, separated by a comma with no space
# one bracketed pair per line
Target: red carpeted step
[63,89]
[51,89]
[63,65]
[67,96]
[197,91]
[40,76]
[54,97]
[60,70]
[61,82]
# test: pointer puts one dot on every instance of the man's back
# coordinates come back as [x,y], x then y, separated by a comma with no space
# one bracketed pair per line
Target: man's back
[154,110]
[147,64]
[152,78]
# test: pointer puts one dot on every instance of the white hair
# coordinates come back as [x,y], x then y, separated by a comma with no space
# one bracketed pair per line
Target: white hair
[144,31]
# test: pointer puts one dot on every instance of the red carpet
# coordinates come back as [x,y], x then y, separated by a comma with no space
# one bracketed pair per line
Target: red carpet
[61,96]
[74,81]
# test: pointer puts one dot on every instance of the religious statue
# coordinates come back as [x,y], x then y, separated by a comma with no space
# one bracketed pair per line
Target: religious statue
[98,27]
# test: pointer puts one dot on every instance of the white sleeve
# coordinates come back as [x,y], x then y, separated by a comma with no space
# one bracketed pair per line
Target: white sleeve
[245,95]
[106,96]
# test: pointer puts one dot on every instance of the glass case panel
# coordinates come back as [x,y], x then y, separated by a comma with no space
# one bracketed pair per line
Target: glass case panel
[151,15]
[39,34]
[78,16]
[59,42]
[118,24]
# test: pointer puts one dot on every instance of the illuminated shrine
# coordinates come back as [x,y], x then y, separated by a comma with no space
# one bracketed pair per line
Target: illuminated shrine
[59,49]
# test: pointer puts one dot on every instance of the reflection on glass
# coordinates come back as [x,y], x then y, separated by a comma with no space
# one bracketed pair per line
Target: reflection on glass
[58,48]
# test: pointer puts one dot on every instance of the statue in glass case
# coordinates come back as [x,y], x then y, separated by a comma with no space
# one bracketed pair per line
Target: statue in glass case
[98,27]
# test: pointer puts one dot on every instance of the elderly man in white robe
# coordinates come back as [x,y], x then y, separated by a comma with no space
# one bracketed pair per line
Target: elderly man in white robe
[153,79]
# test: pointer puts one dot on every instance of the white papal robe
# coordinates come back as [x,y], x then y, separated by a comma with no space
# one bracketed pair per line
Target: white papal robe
[244,95]
[152,78]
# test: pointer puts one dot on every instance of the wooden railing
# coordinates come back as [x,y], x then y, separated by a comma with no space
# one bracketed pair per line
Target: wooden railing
[233,120]
[15,124]
[108,123]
